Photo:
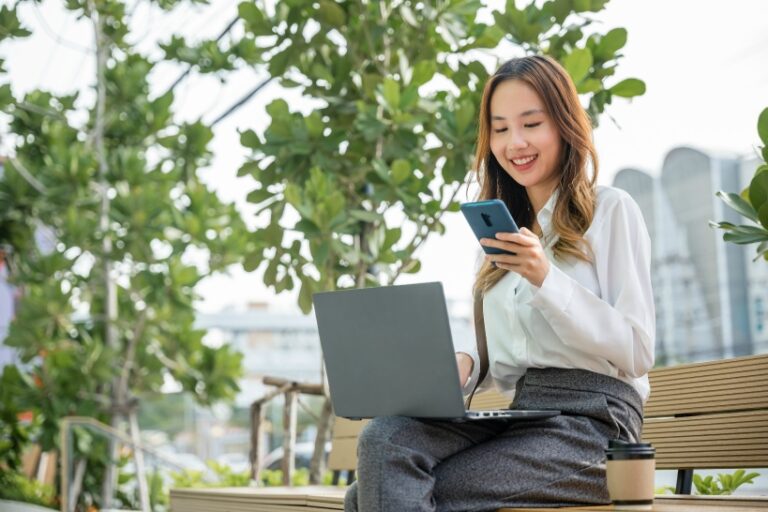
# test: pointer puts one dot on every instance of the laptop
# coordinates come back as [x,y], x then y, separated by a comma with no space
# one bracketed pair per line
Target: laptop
[388,352]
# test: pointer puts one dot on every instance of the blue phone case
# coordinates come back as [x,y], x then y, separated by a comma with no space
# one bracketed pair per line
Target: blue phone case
[486,218]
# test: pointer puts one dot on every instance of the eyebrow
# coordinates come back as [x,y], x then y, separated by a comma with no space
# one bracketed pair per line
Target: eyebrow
[524,114]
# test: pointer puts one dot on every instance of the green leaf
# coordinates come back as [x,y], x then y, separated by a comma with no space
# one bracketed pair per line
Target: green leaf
[758,190]
[391,238]
[582,5]
[305,295]
[423,71]
[248,169]
[331,13]
[307,226]
[735,202]
[279,63]
[293,195]
[320,252]
[628,88]
[391,92]
[762,250]
[365,215]
[465,114]
[577,63]
[249,139]
[589,85]
[254,19]
[412,267]
[6,97]
[258,196]
[610,43]
[253,260]
[722,225]
[762,126]
[401,170]
[314,124]
[744,238]
[762,215]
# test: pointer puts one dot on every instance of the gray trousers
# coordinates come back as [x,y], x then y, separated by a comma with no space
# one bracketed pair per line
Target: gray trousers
[408,464]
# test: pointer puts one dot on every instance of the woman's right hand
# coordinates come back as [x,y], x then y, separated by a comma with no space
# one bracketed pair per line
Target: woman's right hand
[465,364]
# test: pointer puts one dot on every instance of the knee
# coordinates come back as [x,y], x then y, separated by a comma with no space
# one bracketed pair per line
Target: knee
[350,498]
[379,433]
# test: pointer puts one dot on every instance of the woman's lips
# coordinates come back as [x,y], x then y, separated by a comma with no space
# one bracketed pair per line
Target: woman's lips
[524,167]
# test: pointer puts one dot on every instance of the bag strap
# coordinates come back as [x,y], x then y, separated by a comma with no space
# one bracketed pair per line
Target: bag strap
[482,344]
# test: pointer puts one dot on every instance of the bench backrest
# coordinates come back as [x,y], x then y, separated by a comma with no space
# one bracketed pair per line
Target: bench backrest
[700,415]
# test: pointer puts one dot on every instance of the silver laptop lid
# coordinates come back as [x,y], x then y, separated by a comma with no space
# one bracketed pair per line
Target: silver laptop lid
[388,352]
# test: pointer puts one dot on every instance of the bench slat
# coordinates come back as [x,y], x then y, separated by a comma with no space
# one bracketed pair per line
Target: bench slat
[713,386]
[710,440]
[489,400]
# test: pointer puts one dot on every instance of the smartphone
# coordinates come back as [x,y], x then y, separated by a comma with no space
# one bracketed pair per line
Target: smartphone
[486,218]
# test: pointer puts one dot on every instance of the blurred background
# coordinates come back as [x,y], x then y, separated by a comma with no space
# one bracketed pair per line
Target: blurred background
[179,176]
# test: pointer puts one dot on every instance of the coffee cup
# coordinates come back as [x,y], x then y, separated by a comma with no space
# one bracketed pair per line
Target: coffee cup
[630,471]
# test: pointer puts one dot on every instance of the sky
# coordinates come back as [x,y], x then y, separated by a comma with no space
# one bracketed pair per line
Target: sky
[705,65]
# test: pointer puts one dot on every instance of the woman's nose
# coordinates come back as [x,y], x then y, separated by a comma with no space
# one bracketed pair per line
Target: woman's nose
[516,141]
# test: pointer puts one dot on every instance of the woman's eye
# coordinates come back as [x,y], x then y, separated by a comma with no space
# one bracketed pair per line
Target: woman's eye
[499,130]
[532,125]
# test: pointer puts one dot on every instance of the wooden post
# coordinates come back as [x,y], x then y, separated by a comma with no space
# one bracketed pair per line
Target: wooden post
[77,485]
[289,437]
[138,457]
[324,426]
[257,419]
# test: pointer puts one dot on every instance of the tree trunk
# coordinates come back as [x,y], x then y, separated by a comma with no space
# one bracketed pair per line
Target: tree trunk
[110,288]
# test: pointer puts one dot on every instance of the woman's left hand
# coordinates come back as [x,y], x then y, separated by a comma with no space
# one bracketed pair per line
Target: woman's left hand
[529,259]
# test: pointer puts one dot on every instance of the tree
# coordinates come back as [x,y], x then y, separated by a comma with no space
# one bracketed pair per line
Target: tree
[752,203]
[351,190]
[108,313]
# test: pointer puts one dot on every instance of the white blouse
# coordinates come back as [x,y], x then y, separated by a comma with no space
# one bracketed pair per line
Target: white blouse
[596,316]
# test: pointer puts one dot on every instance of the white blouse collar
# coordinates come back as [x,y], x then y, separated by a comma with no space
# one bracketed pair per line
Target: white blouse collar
[544,217]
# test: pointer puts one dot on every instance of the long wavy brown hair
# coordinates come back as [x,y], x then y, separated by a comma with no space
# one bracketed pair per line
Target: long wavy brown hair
[575,205]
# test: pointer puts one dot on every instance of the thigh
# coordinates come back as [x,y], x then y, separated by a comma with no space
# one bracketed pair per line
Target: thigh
[434,440]
[396,457]
[557,461]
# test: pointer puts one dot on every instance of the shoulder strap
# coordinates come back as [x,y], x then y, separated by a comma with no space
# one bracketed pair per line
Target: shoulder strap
[482,344]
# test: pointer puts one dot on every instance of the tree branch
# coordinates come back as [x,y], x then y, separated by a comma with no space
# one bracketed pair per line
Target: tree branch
[24,172]
[242,101]
[189,68]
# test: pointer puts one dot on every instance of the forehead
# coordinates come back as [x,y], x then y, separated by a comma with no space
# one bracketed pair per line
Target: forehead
[512,98]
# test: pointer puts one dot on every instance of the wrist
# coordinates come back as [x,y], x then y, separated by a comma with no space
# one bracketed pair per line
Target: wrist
[465,360]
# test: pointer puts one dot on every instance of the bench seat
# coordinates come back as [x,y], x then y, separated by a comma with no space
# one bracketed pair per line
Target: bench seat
[326,499]
[711,415]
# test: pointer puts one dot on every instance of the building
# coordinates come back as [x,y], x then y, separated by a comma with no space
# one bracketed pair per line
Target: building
[702,285]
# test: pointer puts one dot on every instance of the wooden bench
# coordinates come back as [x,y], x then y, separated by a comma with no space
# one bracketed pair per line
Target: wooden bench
[711,415]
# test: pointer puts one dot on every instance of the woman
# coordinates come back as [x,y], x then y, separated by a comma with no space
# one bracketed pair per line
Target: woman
[569,322]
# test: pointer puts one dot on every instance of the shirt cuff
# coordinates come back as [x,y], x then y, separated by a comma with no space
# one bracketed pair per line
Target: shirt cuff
[555,292]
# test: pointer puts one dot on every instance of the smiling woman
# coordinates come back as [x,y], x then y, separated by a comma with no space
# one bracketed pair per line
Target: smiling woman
[565,320]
